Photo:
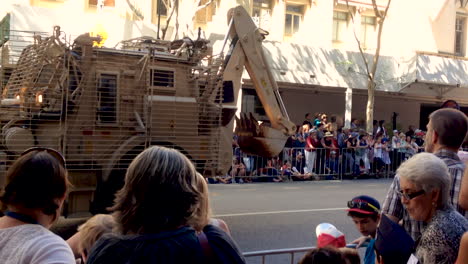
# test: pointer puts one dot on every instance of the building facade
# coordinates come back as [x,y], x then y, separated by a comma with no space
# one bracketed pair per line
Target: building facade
[311,45]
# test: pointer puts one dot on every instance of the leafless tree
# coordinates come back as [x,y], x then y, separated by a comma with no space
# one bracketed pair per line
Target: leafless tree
[191,7]
[380,16]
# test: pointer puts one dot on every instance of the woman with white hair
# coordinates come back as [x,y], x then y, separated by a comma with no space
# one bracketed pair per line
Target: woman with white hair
[424,189]
[162,216]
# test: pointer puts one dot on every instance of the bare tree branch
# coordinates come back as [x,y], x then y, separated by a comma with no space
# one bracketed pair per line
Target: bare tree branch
[168,20]
[361,51]
[380,23]
[203,6]
[376,9]
[135,10]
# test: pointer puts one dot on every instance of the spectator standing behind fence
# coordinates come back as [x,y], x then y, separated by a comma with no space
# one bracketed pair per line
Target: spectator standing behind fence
[362,152]
[446,131]
[307,120]
[36,187]
[381,129]
[379,149]
[153,230]
[325,122]
[298,139]
[312,143]
[333,126]
[404,146]
[410,132]
[351,145]
[317,120]
[329,143]
[413,147]
[425,186]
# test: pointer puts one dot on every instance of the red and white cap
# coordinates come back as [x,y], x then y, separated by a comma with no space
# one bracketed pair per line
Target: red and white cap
[329,235]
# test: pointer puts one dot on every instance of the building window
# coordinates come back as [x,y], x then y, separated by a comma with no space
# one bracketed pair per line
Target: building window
[261,13]
[109,3]
[368,24]
[107,98]
[162,10]
[460,36]
[293,19]
[340,25]
[205,14]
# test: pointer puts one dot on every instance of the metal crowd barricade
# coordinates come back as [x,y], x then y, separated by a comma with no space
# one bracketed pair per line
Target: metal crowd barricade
[320,164]
[263,254]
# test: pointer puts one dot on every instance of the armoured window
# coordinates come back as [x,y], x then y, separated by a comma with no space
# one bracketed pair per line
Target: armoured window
[107,99]
[460,36]
[4,29]
[340,25]
[161,78]
[293,19]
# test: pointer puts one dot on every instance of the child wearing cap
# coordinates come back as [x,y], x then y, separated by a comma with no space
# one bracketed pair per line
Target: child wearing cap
[365,213]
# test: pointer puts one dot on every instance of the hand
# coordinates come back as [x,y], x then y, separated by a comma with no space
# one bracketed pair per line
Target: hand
[221,224]
[360,241]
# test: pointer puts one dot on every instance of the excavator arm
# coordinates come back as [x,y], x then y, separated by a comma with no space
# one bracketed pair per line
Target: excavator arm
[246,50]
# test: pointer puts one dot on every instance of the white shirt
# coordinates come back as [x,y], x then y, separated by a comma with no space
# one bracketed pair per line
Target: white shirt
[33,244]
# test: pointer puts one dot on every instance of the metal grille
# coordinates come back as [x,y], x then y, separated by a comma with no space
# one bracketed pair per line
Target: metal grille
[101,107]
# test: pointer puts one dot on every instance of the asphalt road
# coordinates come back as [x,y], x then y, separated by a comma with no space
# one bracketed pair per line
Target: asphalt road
[268,216]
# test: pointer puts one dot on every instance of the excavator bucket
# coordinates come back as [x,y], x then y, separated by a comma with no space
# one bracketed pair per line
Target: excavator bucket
[258,139]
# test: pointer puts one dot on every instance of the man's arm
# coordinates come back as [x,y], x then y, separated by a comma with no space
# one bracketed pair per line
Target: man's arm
[392,206]
[463,196]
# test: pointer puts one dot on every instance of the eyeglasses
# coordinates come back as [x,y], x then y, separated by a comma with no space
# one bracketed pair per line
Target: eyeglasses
[362,205]
[54,153]
[409,196]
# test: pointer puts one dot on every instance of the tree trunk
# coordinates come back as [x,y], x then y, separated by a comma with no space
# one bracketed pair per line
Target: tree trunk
[370,106]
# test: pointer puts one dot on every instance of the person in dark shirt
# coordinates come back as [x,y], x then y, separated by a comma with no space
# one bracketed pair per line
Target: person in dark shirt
[307,120]
[410,132]
[162,216]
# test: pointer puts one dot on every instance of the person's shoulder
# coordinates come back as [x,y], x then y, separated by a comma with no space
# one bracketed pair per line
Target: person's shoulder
[224,247]
[448,223]
[48,247]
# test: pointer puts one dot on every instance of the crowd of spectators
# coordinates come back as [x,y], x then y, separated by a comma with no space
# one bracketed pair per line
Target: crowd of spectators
[322,149]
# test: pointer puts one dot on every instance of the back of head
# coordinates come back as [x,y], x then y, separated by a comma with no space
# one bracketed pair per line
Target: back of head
[162,191]
[93,229]
[350,256]
[326,255]
[35,181]
[451,126]
[392,243]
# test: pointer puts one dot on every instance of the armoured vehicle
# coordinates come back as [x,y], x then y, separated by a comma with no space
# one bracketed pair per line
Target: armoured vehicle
[100,107]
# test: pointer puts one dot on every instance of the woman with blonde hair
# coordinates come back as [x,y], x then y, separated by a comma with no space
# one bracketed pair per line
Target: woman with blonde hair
[162,216]
[36,187]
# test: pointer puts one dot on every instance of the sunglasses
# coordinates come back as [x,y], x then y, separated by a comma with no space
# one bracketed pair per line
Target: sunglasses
[54,153]
[362,205]
[410,196]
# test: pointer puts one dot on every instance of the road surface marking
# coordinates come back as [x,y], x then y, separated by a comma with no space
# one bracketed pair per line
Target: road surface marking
[281,212]
[292,188]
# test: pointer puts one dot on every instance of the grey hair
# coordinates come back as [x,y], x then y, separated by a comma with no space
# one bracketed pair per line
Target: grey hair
[428,172]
